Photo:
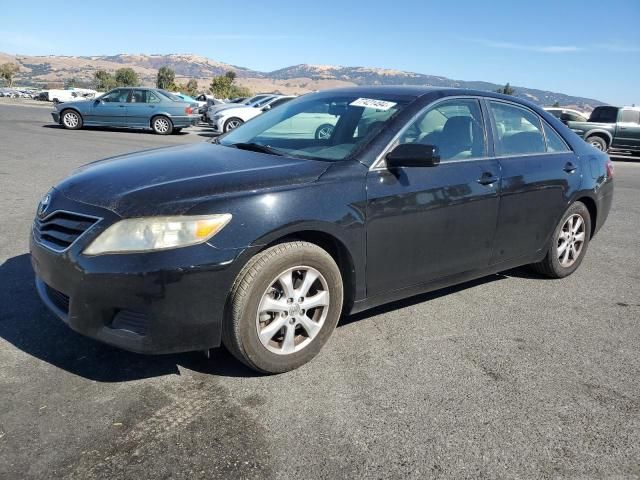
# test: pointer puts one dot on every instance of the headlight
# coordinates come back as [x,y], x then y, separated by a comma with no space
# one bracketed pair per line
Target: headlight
[157,233]
[217,117]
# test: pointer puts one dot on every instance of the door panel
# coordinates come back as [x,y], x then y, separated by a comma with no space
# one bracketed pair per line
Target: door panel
[539,174]
[141,107]
[110,110]
[535,191]
[426,223]
[627,135]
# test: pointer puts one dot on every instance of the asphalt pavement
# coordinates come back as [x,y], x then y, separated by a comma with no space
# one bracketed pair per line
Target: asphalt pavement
[510,376]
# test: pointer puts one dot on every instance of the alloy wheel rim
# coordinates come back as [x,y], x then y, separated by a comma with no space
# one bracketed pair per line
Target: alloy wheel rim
[71,120]
[292,310]
[232,124]
[571,240]
[325,133]
[597,145]
[162,125]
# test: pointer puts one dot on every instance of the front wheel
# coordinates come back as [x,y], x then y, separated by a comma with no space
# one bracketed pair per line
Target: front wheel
[232,123]
[71,120]
[161,125]
[324,132]
[597,142]
[568,244]
[283,307]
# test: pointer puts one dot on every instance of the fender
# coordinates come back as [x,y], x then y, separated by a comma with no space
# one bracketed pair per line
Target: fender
[599,131]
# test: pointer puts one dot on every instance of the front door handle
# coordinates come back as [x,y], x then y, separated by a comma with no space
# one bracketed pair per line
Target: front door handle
[487,178]
[569,167]
[121,106]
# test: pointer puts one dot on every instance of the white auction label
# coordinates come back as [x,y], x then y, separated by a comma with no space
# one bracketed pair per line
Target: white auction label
[372,103]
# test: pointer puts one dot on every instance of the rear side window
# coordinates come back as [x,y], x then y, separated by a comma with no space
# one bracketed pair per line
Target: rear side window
[630,116]
[518,131]
[554,141]
[604,115]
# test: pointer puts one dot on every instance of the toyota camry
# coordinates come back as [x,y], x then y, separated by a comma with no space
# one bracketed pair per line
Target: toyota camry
[263,238]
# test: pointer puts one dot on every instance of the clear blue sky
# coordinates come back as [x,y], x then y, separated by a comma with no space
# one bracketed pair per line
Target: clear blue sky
[586,48]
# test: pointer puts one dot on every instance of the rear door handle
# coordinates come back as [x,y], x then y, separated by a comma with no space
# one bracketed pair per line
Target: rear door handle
[569,167]
[487,178]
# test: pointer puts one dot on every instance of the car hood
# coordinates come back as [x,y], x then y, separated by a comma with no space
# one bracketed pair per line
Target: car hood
[79,104]
[170,181]
[217,108]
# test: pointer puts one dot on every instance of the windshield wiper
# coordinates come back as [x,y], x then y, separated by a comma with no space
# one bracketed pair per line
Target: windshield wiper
[256,147]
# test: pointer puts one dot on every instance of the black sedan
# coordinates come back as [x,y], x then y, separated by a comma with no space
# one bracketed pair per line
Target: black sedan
[261,240]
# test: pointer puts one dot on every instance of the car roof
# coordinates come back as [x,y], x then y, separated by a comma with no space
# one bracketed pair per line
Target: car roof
[418,91]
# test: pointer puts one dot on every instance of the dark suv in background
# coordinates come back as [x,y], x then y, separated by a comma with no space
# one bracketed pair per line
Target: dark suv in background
[611,129]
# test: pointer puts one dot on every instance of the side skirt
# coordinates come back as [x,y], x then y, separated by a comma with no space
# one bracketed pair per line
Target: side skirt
[392,296]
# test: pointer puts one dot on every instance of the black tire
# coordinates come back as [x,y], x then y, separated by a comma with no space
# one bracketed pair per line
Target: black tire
[161,125]
[71,119]
[550,266]
[240,327]
[231,123]
[597,142]
[324,131]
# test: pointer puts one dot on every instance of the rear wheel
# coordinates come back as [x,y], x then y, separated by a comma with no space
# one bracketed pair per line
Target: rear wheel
[71,119]
[597,142]
[232,123]
[283,307]
[161,125]
[568,244]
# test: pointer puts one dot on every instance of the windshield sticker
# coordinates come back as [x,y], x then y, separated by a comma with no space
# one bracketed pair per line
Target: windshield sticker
[372,103]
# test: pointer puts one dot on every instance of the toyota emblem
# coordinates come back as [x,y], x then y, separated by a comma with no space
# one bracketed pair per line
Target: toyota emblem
[44,204]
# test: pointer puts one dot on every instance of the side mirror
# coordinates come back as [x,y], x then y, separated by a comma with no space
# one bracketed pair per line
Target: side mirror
[413,155]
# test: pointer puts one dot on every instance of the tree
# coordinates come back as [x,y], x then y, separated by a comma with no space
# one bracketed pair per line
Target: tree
[166,78]
[507,90]
[8,71]
[191,88]
[556,104]
[104,80]
[222,86]
[126,77]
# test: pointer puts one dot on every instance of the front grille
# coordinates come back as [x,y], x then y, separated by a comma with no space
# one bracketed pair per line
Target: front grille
[135,322]
[59,299]
[60,229]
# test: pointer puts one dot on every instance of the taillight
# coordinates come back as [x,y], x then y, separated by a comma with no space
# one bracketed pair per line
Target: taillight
[188,110]
[610,169]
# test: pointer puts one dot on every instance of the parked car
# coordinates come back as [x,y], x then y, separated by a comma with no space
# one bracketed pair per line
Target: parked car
[230,118]
[254,101]
[567,115]
[261,242]
[139,108]
[611,129]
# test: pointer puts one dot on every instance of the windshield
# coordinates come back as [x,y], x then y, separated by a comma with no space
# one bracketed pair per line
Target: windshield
[318,126]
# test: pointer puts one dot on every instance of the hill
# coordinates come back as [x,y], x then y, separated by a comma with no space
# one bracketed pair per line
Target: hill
[297,79]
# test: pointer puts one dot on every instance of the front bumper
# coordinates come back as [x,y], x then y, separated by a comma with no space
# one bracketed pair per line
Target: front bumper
[56,116]
[216,125]
[157,302]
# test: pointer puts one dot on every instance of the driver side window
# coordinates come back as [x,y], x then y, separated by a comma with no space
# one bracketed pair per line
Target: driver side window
[454,126]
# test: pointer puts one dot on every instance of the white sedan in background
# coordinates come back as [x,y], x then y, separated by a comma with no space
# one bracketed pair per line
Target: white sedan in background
[229,118]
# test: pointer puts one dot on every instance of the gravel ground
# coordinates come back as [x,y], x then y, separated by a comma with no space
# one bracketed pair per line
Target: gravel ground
[511,376]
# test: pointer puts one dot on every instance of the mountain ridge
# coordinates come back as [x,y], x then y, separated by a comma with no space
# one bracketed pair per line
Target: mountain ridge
[294,79]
